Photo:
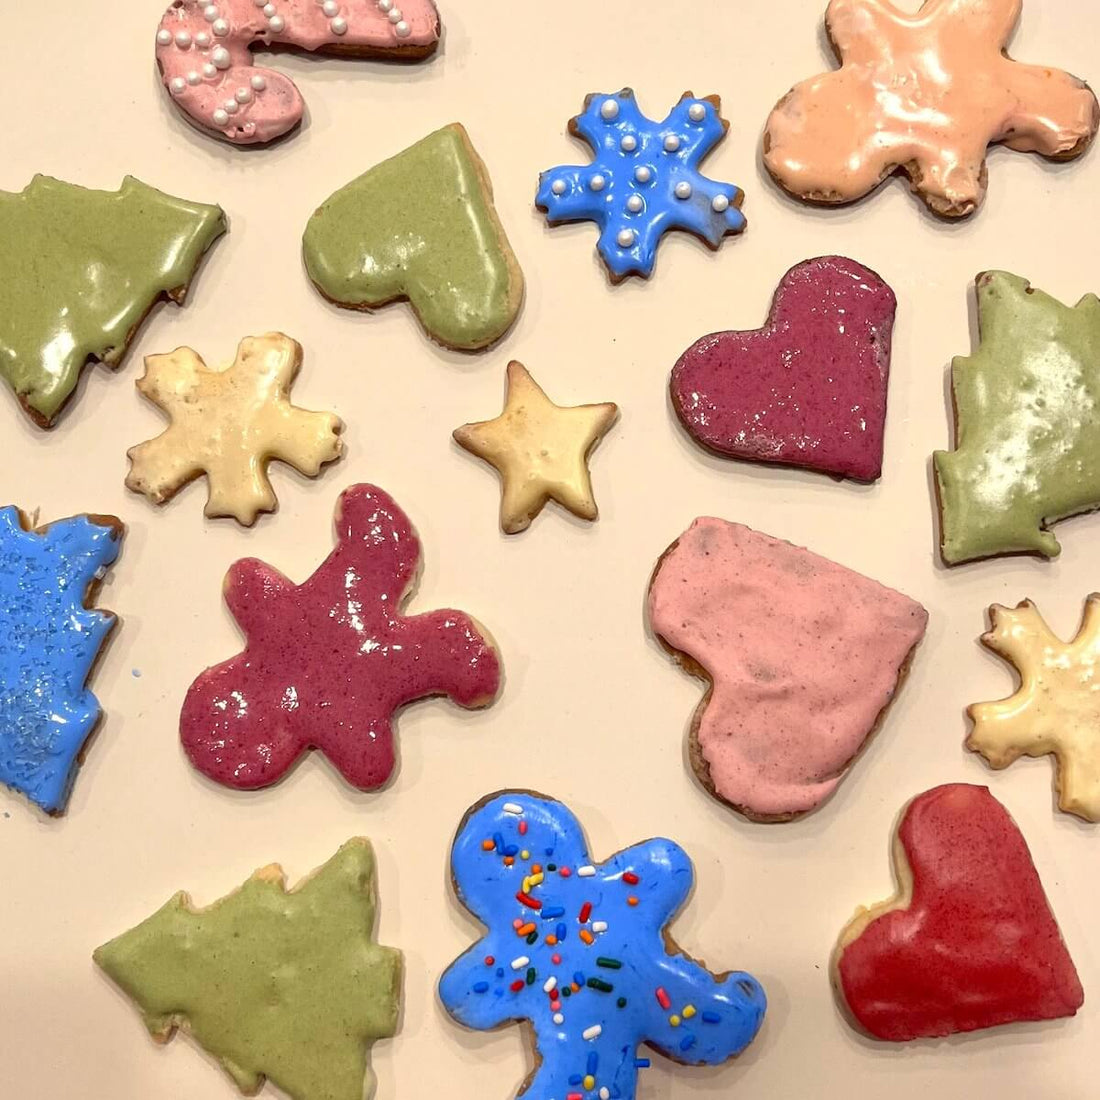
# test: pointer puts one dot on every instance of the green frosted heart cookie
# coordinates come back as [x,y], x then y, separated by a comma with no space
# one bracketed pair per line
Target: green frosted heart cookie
[421,226]
[1027,450]
[80,270]
[283,985]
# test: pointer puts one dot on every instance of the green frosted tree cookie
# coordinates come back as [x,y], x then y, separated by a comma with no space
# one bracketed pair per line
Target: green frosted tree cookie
[421,226]
[80,270]
[285,985]
[1027,449]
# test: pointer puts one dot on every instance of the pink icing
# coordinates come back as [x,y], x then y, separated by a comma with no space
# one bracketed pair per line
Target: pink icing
[807,389]
[803,655]
[273,104]
[326,663]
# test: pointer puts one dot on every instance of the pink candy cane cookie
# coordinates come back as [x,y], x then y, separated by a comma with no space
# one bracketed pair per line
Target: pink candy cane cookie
[204,50]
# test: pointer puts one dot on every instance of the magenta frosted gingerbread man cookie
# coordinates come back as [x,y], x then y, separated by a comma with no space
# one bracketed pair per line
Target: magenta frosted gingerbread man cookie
[327,663]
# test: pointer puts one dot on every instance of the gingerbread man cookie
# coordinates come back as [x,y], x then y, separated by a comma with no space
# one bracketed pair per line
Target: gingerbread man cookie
[926,93]
[277,984]
[582,951]
[229,424]
[1056,709]
[204,51]
[540,450]
[327,662]
[968,942]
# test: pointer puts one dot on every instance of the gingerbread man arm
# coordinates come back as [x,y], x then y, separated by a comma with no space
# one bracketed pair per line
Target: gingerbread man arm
[251,589]
[1054,113]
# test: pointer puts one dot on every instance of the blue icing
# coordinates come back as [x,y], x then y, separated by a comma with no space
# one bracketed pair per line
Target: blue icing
[643,181]
[724,1015]
[48,643]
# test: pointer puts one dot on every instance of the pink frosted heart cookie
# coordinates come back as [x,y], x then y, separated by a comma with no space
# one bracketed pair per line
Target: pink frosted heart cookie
[802,655]
[809,388]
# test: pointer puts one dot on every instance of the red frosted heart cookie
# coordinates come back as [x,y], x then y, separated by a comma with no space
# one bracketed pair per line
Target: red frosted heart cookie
[807,389]
[969,941]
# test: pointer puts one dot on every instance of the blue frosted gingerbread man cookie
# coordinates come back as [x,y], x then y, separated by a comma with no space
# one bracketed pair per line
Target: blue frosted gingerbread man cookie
[49,639]
[579,950]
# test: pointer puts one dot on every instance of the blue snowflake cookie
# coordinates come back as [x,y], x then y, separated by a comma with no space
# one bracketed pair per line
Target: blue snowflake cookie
[49,639]
[580,950]
[644,179]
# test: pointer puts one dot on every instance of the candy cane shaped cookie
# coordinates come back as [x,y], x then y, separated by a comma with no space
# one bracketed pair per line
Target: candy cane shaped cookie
[204,51]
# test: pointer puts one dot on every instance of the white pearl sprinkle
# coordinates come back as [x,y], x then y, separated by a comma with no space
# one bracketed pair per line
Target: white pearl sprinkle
[697,112]
[642,174]
[183,40]
[597,183]
[672,143]
[221,58]
[164,38]
[558,187]
[629,143]
[635,203]
[339,25]
[609,109]
[178,85]
[402,29]
[220,28]
[244,95]
[720,204]
[202,40]
[209,70]
[270,10]
[258,83]
[385,5]
[276,23]
[559,1019]
[210,12]
[625,238]
[395,15]
[683,190]
[232,106]
[221,118]
[330,8]
[194,78]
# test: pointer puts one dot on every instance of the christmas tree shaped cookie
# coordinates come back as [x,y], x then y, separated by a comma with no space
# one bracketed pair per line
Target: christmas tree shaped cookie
[421,226]
[81,270]
[1027,448]
[277,984]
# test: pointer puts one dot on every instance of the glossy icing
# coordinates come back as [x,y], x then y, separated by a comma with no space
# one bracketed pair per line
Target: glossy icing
[1055,710]
[228,424]
[277,984]
[50,638]
[925,92]
[327,663]
[421,226]
[644,179]
[134,246]
[969,942]
[807,389]
[204,51]
[1027,448]
[803,657]
[540,450]
[597,975]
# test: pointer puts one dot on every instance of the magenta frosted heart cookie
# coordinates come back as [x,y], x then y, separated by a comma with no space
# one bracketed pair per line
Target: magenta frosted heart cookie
[809,388]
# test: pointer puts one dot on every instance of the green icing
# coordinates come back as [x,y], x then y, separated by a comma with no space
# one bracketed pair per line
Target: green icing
[284,985]
[80,270]
[1026,408]
[421,226]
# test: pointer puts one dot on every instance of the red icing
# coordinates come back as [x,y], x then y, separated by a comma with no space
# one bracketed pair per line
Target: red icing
[327,662]
[978,946]
[807,389]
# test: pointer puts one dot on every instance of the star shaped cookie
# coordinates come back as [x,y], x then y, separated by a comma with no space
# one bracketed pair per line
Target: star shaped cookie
[539,449]
[1056,709]
[229,424]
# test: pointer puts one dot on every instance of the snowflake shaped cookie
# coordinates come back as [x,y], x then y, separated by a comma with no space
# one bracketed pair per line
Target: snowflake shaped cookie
[1055,711]
[229,424]
[582,951]
[644,180]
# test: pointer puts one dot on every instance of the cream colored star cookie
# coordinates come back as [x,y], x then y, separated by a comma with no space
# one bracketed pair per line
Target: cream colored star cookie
[539,449]
[229,424]
[1057,707]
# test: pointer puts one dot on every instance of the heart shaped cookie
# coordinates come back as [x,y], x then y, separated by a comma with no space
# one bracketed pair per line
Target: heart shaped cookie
[421,226]
[809,388]
[969,940]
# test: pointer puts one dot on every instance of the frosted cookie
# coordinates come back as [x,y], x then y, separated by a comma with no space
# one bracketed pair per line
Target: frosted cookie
[1027,440]
[644,180]
[802,658]
[50,639]
[328,662]
[581,952]
[1056,709]
[925,93]
[229,424]
[421,226]
[540,450]
[135,246]
[204,51]
[809,388]
[287,986]
[968,941]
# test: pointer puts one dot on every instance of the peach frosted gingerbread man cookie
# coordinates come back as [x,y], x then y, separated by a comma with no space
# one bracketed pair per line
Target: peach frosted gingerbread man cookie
[1056,709]
[927,93]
